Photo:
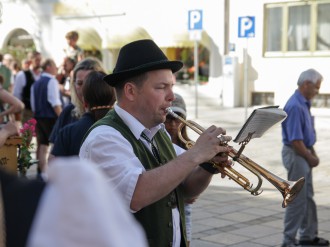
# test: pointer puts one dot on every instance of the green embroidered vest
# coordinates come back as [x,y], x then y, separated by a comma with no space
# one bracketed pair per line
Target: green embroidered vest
[156,218]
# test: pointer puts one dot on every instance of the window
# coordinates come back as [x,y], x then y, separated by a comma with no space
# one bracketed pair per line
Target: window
[274,31]
[323,27]
[297,28]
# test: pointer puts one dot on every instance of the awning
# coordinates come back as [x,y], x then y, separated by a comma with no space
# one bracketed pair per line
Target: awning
[181,40]
[113,33]
[89,39]
[116,39]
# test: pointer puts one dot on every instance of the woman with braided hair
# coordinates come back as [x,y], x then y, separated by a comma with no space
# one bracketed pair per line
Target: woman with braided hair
[98,99]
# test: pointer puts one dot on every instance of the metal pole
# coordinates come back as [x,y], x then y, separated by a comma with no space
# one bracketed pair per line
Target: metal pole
[246,87]
[196,76]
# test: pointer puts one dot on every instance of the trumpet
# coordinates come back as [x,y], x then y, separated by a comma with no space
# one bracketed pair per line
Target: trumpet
[288,189]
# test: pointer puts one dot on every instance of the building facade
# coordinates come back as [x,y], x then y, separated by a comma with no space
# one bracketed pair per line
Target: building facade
[244,64]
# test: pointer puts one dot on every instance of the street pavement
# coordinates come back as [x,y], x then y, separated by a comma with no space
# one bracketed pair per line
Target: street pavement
[226,214]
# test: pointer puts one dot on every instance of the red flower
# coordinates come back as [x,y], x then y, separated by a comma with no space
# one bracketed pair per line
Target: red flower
[27,132]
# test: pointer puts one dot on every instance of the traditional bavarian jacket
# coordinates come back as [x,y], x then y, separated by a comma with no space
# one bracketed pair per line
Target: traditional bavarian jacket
[156,218]
[43,109]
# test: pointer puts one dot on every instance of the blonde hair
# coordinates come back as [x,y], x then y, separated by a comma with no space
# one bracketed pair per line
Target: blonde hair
[89,63]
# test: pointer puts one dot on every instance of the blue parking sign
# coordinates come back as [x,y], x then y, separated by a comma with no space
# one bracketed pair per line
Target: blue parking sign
[246,26]
[195,20]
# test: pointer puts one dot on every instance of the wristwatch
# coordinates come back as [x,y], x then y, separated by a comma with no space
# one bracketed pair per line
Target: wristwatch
[211,168]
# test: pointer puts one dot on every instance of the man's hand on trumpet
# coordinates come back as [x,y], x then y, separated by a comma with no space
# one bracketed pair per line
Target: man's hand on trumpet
[221,161]
[222,165]
[208,145]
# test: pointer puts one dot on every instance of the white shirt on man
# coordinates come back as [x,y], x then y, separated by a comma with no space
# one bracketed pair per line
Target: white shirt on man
[114,154]
[20,82]
[53,92]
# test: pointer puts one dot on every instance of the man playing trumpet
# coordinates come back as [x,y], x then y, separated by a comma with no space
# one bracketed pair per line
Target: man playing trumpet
[134,150]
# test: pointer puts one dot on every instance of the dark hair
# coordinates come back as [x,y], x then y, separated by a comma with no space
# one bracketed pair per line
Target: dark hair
[16,65]
[32,54]
[71,60]
[72,35]
[47,62]
[137,80]
[98,94]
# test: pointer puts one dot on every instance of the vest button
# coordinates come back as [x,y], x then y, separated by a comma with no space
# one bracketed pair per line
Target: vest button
[170,224]
[169,204]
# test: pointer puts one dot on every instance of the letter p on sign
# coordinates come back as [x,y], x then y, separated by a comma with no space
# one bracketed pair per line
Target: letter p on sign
[246,26]
[195,20]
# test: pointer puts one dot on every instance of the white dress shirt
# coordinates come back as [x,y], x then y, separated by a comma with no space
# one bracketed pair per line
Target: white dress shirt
[53,92]
[114,154]
[20,82]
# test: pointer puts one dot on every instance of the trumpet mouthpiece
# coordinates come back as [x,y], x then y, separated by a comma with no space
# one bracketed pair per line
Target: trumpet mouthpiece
[168,110]
[171,112]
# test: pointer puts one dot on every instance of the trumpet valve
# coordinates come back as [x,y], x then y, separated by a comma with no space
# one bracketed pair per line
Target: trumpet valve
[189,144]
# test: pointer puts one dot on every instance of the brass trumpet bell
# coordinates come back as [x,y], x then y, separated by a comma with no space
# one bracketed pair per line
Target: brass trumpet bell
[288,189]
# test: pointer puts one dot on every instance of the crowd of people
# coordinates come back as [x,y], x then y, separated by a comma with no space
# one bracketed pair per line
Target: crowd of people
[40,89]
[108,150]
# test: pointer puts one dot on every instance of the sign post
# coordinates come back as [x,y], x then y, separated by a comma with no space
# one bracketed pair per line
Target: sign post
[246,29]
[195,27]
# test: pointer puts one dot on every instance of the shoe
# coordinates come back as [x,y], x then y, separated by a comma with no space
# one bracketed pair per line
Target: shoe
[315,242]
[290,245]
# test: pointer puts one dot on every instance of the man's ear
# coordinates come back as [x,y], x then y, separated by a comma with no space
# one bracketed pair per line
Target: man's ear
[130,91]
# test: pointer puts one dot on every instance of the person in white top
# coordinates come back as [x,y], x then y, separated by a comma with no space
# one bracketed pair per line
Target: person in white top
[23,82]
[152,184]
[78,208]
[46,105]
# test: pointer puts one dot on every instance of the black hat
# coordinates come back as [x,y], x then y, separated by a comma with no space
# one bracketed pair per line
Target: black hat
[139,57]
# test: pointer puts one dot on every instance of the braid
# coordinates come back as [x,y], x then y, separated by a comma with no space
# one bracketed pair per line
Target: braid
[99,112]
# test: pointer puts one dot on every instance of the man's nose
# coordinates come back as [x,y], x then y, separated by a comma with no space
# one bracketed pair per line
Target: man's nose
[171,95]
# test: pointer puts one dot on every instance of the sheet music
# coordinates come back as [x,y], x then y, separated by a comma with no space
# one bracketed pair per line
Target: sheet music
[259,122]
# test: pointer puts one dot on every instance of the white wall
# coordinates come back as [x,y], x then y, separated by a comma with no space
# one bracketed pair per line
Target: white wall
[162,20]
[274,74]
